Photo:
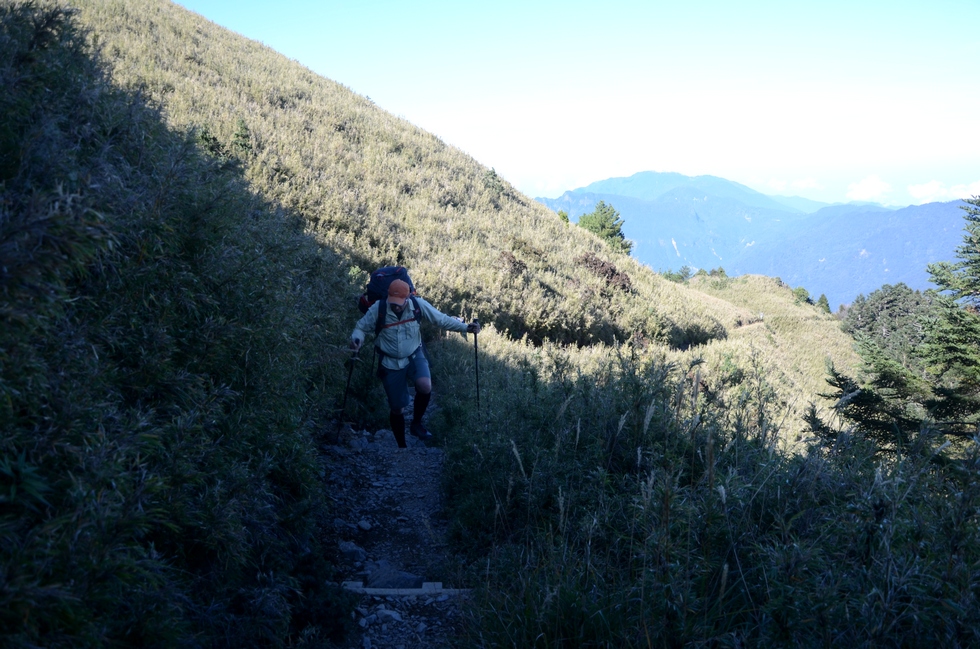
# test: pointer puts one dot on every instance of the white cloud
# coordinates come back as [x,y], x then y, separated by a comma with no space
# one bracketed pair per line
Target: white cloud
[807,183]
[778,185]
[966,191]
[868,189]
[927,192]
[937,191]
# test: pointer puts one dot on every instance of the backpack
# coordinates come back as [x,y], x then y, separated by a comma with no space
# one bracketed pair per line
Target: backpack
[377,289]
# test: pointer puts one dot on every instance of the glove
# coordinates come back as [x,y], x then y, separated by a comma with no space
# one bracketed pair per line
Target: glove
[473,327]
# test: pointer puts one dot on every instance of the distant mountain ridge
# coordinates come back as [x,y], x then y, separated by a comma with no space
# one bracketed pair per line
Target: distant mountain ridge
[707,221]
[652,185]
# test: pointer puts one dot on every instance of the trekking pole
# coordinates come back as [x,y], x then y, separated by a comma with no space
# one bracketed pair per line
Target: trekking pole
[350,375]
[476,356]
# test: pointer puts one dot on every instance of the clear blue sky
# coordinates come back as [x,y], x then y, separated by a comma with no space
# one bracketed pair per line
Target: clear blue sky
[828,100]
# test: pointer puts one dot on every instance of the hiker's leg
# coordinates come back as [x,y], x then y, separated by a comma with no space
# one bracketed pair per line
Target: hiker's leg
[397,421]
[421,403]
[418,373]
[397,391]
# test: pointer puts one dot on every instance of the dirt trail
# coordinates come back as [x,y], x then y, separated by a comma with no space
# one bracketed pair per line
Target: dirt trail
[392,532]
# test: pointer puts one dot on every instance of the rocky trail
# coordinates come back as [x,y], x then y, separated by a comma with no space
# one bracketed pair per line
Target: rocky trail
[389,519]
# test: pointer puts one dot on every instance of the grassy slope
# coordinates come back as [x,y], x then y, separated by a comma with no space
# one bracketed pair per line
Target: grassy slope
[796,341]
[379,190]
[607,498]
[164,334]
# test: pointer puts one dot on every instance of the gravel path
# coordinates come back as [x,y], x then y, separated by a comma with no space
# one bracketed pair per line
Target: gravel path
[393,535]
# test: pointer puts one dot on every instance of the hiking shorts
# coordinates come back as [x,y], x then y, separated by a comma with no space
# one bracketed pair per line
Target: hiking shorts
[396,381]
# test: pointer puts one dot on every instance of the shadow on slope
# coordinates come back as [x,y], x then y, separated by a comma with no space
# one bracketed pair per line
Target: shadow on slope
[166,339]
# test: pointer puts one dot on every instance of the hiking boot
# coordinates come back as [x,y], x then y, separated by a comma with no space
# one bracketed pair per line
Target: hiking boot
[419,431]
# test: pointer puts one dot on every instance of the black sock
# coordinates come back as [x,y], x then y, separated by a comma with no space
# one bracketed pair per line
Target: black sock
[398,428]
[421,403]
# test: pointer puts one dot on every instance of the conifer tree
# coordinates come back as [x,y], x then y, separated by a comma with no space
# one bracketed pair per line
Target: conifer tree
[605,221]
[961,280]
[823,303]
[952,345]
[921,354]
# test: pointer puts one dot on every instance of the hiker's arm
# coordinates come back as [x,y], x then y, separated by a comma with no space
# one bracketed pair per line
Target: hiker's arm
[440,319]
[363,326]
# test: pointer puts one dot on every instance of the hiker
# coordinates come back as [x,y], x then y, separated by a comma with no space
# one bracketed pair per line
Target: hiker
[403,359]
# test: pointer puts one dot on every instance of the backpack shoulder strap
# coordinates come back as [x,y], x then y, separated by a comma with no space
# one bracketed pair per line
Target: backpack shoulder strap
[380,325]
[382,312]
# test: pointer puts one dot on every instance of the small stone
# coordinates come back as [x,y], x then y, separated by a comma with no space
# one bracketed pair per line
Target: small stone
[390,615]
[362,611]
[364,525]
[352,551]
[421,627]
[428,601]
[362,622]
[366,643]
[384,574]
[442,598]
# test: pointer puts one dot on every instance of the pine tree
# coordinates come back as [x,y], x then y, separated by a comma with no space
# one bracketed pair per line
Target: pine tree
[605,222]
[921,355]
[952,345]
[961,280]
[823,303]
[952,352]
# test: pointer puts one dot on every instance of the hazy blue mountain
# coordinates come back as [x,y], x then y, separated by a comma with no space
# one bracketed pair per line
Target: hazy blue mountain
[844,252]
[651,185]
[840,250]
[684,225]
[843,209]
[800,203]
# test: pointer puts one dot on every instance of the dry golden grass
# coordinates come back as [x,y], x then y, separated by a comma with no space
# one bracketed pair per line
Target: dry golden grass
[379,190]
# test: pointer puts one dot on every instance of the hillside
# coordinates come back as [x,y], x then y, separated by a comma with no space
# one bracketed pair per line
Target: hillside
[378,190]
[186,217]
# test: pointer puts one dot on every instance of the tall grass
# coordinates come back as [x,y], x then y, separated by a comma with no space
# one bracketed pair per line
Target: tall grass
[617,506]
[185,218]
[377,190]
[162,348]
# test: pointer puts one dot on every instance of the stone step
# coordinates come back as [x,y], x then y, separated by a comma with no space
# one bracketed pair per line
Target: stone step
[428,588]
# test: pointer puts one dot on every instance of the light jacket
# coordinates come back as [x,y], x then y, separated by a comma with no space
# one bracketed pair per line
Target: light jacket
[397,343]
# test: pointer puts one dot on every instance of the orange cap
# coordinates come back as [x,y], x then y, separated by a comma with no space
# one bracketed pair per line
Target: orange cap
[397,292]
